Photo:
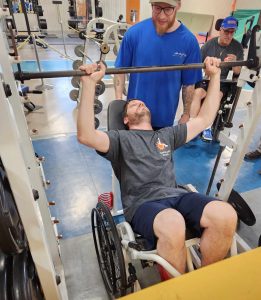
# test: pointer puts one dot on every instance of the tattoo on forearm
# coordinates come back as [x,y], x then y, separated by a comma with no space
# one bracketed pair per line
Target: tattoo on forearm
[187,95]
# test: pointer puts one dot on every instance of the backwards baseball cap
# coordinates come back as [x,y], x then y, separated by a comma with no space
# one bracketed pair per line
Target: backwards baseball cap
[229,22]
[171,2]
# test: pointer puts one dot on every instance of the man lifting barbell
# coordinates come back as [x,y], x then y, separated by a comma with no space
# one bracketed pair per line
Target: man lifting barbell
[142,161]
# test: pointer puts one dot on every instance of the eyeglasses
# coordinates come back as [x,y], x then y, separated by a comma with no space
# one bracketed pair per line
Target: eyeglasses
[226,31]
[168,11]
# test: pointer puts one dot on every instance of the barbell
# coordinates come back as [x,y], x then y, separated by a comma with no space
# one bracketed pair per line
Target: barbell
[250,63]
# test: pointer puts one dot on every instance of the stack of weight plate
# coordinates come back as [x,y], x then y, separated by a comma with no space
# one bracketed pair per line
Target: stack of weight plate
[18,276]
[75,81]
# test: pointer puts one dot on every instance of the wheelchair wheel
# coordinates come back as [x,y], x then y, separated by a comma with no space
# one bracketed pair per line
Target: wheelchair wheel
[108,249]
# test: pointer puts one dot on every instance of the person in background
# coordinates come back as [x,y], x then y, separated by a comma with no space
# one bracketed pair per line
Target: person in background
[160,40]
[142,161]
[226,48]
[252,155]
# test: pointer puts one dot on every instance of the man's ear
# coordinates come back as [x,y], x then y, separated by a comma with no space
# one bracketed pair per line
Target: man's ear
[125,120]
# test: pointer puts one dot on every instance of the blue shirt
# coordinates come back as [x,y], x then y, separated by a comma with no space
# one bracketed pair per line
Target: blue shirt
[142,46]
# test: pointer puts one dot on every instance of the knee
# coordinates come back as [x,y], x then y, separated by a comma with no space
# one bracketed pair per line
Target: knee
[169,225]
[220,215]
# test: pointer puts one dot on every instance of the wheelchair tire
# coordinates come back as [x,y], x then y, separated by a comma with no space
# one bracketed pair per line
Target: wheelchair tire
[109,252]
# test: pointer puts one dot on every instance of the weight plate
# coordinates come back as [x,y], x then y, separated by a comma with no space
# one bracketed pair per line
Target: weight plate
[82,35]
[75,81]
[105,48]
[76,64]
[97,106]
[26,284]
[244,212]
[115,50]
[21,283]
[5,277]
[79,51]
[72,11]
[96,123]
[12,237]
[74,94]
[99,88]
[72,23]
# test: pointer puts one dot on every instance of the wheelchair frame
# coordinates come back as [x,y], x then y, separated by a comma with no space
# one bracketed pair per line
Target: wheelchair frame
[117,247]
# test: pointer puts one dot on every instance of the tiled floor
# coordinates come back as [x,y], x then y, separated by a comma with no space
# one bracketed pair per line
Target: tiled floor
[78,174]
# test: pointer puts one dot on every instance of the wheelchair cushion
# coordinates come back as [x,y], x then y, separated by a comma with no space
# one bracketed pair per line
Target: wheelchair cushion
[115,115]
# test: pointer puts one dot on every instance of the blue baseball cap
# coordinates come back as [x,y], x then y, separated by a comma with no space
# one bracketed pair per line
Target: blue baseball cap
[229,22]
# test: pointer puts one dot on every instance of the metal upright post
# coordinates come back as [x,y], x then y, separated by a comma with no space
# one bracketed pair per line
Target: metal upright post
[42,86]
[241,145]
[57,3]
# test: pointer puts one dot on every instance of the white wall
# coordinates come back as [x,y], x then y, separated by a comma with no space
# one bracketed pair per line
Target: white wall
[145,9]
[50,14]
[218,8]
[113,8]
[251,4]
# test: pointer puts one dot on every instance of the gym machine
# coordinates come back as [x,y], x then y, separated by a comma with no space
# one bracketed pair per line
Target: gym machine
[24,173]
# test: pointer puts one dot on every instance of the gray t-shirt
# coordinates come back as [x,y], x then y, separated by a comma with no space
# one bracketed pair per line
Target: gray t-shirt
[212,48]
[142,162]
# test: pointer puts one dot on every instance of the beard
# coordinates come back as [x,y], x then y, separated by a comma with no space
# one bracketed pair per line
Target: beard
[139,117]
[162,29]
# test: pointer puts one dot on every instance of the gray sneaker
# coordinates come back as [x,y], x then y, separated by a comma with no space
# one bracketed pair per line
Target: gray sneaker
[253,155]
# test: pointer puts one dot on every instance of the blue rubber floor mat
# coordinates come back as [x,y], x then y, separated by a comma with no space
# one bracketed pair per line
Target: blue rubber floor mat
[77,175]
[46,65]
[194,163]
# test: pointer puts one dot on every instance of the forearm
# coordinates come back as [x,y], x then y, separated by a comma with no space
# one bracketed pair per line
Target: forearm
[187,96]
[211,103]
[85,120]
[236,70]
[119,84]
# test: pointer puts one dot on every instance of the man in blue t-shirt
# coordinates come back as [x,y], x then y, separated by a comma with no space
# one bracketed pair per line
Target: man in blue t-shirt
[142,161]
[161,40]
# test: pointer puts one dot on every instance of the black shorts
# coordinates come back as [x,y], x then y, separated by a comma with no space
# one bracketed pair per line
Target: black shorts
[224,86]
[190,205]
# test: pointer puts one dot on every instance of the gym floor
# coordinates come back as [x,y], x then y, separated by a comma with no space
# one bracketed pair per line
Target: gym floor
[78,175]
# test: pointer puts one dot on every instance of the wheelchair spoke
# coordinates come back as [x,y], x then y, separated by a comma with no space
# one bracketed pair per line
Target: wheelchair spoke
[108,250]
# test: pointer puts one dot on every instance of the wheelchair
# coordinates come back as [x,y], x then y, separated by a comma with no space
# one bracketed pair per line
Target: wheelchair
[118,247]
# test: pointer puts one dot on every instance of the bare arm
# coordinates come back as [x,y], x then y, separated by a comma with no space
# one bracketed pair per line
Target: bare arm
[86,132]
[119,84]
[232,57]
[211,103]
[187,96]
[236,70]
